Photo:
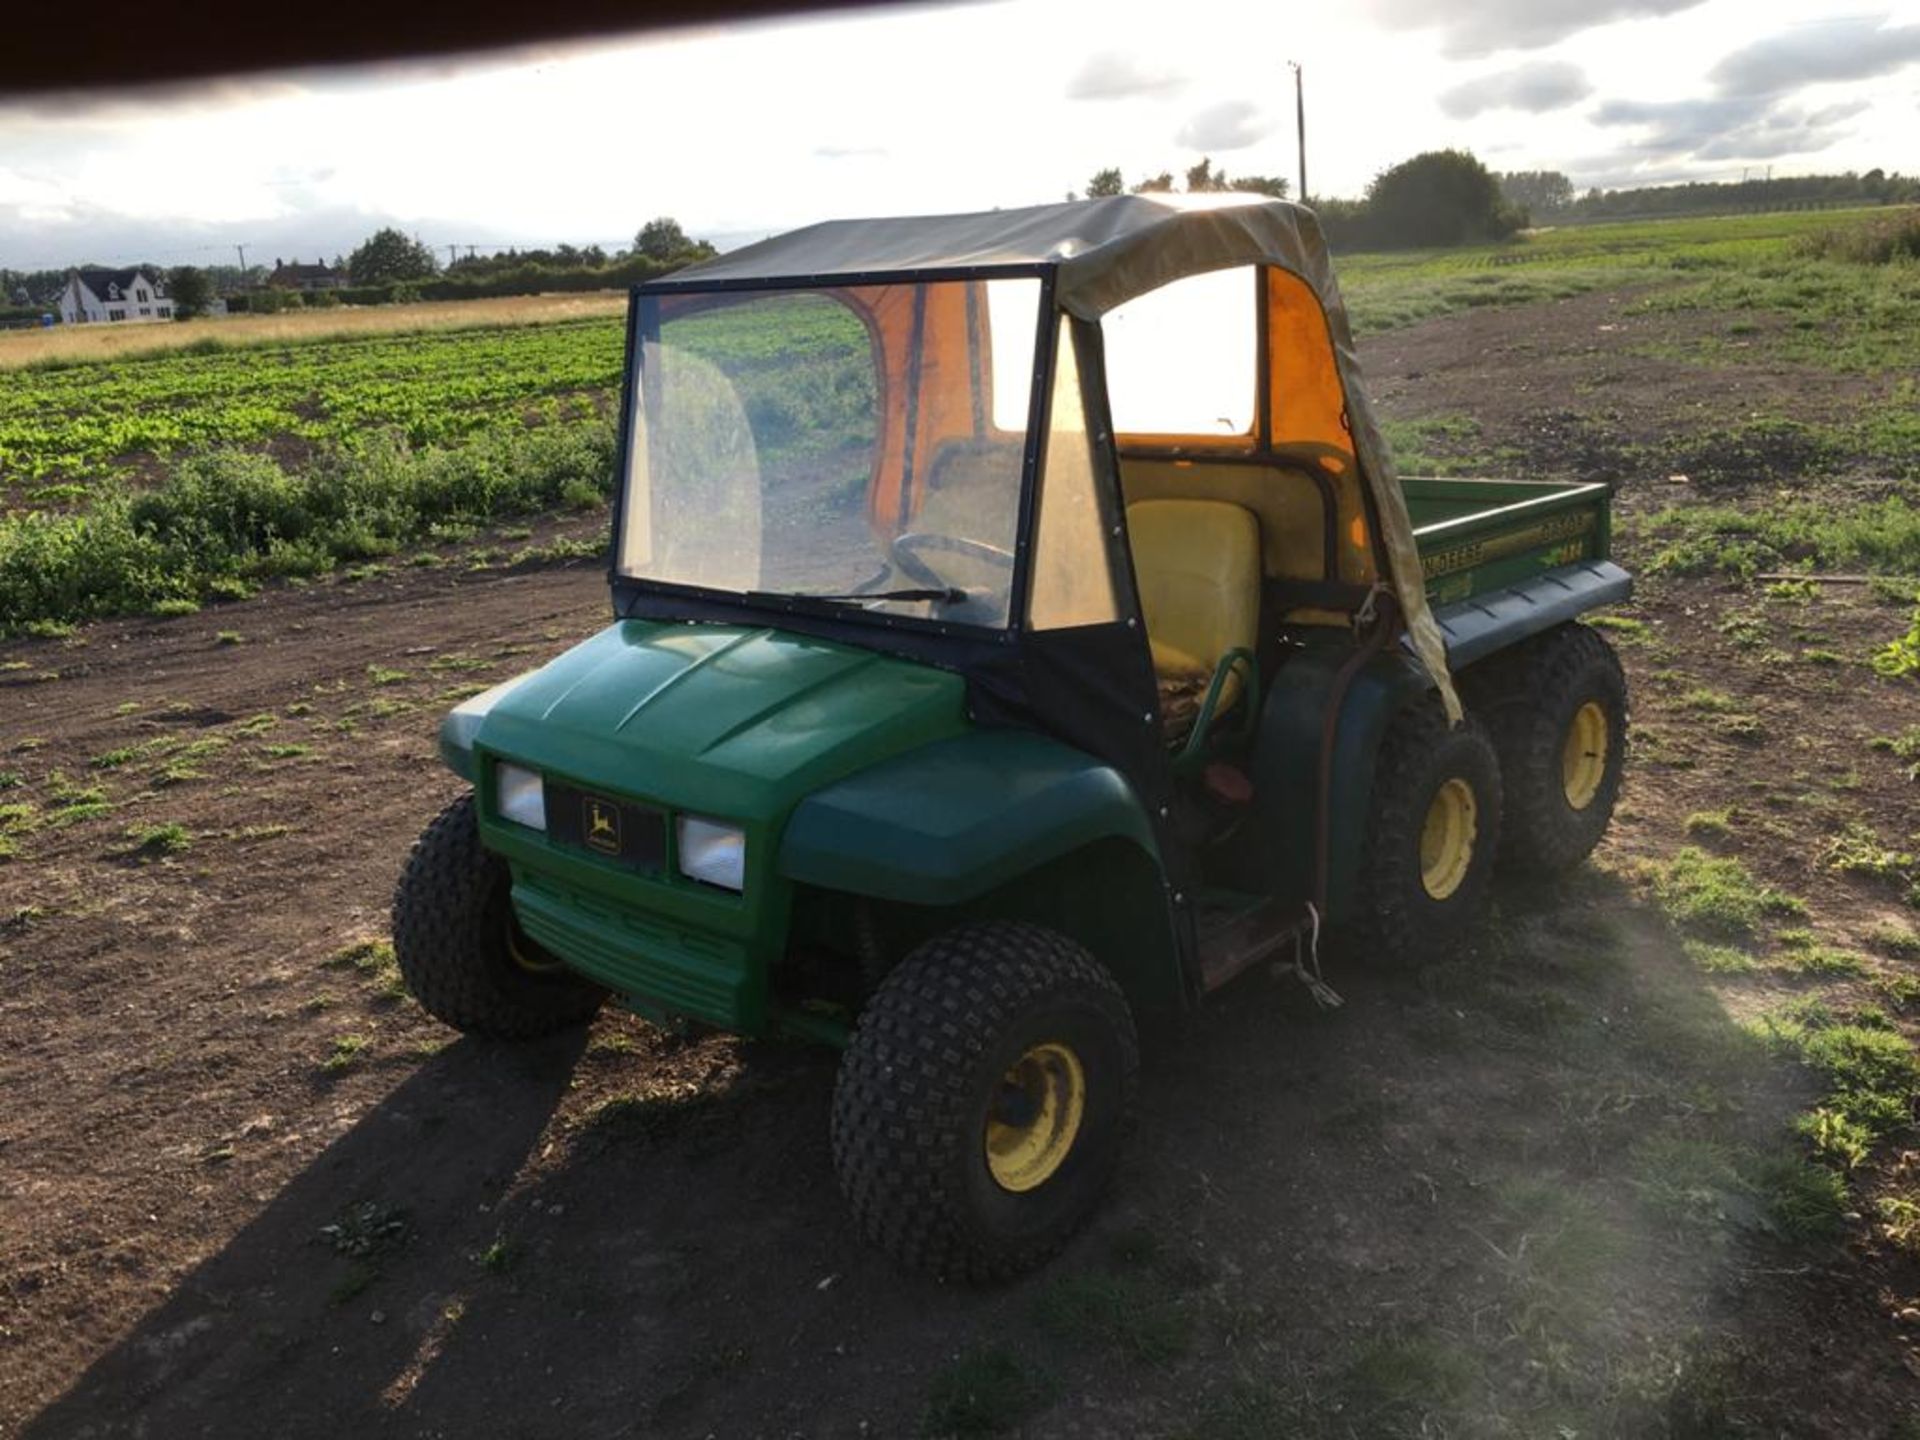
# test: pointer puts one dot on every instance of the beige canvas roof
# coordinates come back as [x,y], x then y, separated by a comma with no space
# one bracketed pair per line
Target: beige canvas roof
[1102,253]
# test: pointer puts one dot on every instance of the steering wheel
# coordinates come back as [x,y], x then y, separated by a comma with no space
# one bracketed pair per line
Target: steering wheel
[905,550]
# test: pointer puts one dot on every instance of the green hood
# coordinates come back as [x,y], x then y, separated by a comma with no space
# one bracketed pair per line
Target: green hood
[719,719]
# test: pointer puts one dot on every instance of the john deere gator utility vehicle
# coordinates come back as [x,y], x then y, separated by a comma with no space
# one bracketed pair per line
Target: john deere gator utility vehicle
[1020,631]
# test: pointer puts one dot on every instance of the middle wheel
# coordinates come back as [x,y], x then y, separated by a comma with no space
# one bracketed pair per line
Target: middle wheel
[1433,830]
[980,1108]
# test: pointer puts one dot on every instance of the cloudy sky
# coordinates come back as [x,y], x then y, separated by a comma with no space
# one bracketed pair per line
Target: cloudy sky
[742,132]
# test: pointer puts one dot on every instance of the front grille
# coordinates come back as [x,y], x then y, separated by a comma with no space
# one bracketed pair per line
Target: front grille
[658,962]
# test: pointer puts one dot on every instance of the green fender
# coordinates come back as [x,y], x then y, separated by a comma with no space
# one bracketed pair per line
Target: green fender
[950,821]
[999,824]
[1287,763]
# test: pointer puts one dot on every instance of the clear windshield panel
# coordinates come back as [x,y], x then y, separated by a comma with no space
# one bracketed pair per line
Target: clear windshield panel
[865,442]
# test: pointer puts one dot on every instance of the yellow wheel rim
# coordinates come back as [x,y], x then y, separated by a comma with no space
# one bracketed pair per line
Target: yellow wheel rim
[1446,839]
[1035,1117]
[527,956]
[1583,758]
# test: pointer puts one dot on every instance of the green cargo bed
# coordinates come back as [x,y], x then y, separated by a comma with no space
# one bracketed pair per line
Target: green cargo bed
[1476,536]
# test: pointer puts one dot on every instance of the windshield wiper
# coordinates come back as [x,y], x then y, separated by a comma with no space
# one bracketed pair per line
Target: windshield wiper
[951,595]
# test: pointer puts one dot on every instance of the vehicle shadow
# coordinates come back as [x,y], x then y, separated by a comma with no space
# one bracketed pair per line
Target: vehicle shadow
[272,1335]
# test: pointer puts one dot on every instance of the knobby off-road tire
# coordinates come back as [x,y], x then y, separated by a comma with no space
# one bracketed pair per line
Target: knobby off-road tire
[460,949]
[940,1105]
[1433,831]
[1560,727]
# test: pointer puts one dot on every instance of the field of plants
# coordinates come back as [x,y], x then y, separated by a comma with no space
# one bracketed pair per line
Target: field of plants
[64,425]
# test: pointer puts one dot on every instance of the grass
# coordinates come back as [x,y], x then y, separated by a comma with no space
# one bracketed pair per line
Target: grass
[1879,536]
[346,1051]
[988,1390]
[156,842]
[373,959]
[1134,1315]
[1718,896]
[226,516]
[1858,850]
[1870,1072]
[1719,959]
[1710,824]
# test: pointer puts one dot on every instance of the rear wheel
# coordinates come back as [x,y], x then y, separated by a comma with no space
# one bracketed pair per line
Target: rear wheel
[980,1108]
[1561,731]
[1433,829]
[461,951]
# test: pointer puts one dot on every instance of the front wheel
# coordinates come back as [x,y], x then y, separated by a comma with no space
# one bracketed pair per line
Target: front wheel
[461,951]
[1433,829]
[980,1108]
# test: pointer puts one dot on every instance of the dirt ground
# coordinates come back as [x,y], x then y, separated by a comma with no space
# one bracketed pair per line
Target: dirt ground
[245,1190]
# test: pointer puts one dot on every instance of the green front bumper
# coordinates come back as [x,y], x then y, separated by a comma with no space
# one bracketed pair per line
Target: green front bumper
[645,956]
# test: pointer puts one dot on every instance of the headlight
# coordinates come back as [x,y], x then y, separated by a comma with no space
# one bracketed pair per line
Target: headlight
[520,795]
[713,852]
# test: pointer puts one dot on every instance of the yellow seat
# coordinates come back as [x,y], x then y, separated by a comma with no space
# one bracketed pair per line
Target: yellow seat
[1197,563]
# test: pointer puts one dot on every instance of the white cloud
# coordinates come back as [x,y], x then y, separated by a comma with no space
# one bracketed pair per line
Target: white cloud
[1535,87]
[1471,28]
[1848,47]
[1229,125]
[1117,75]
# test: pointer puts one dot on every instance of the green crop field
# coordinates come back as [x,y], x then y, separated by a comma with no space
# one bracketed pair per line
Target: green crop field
[73,423]
[131,480]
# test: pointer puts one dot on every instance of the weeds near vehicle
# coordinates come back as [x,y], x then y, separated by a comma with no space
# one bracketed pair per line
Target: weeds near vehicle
[1710,824]
[1870,1071]
[1824,960]
[373,959]
[367,1231]
[1805,1202]
[1857,850]
[228,637]
[1719,959]
[1718,895]
[1141,1319]
[155,842]
[1881,536]
[1902,941]
[381,675]
[286,752]
[1900,1221]
[1900,657]
[499,1257]
[346,1050]
[987,1391]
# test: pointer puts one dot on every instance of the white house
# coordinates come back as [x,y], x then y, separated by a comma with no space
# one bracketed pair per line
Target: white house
[112,297]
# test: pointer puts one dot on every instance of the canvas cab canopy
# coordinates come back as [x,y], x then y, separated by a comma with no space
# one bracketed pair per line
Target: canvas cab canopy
[1214,357]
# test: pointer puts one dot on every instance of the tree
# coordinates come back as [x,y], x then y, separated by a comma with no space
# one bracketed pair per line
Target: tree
[387,256]
[1442,197]
[1539,192]
[1272,186]
[1105,183]
[1201,177]
[191,291]
[1161,184]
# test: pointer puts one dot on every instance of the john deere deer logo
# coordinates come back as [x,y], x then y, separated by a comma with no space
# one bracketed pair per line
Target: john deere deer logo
[603,826]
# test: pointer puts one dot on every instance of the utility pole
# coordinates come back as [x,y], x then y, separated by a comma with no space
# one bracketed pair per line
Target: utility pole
[241,251]
[1300,121]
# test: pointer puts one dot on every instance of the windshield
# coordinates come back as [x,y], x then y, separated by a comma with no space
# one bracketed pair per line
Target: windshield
[863,444]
